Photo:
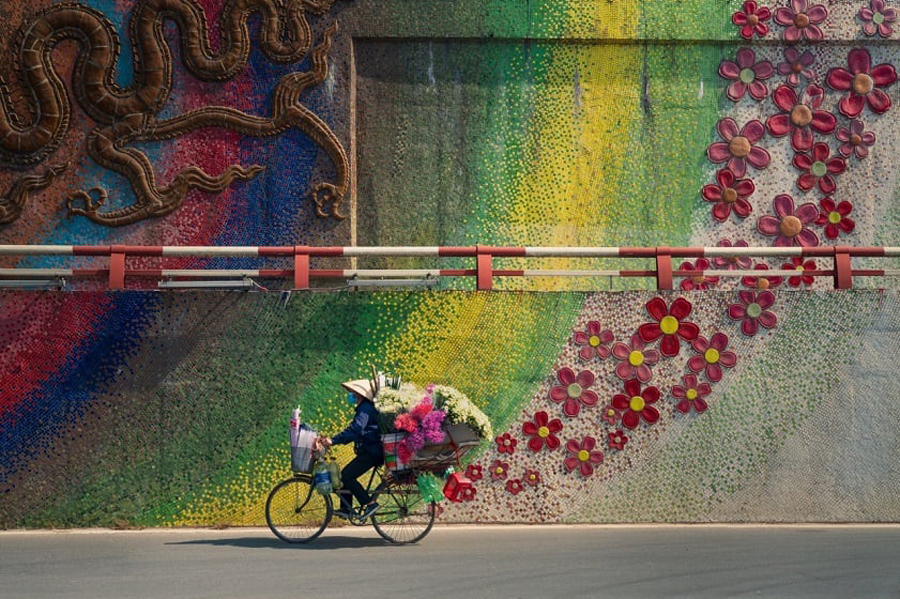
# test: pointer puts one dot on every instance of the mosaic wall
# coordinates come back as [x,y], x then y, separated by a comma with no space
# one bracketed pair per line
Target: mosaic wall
[269,122]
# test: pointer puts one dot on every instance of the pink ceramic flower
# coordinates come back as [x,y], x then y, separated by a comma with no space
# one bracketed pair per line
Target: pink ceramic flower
[800,118]
[796,64]
[800,266]
[506,443]
[531,477]
[730,192]
[583,456]
[834,217]
[752,19]
[732,262]
[610,414]
[738,147]
[802,21]
[701,282]
[819,168]
[712,356]
[789,226]
[746,75]
[691,394]
[856,140]
[670,325]
[761,283]
[573,391]
[753,311]
[617,440]
[636,404]
[499,470]
[595,341]
[542,431]
[877,18]
[862,82]
[635,359]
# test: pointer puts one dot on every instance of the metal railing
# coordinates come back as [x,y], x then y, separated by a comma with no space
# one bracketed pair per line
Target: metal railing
[117,271]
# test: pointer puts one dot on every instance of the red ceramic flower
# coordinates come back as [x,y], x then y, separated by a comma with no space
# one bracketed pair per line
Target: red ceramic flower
[691,394]
[514,486]
[753,311]
[729,192]
[761,283]
[574,390]
[737,148]
[800,266]
[636,404]
[499,470]
[713,356]
[695,282]
[531,477]
[788,226]
[862,82]
[802,21]
[799,118]
[506,443]
[542,431]
[635,360]
[752,20]
[834,217]
[796,64]
[819,168]
[670,324]
[595,341]
[617,440]
[474,472]
[732,262]
[610,414]
[746,75]
[856,140]
[877,18]
[583,456]
[467,494]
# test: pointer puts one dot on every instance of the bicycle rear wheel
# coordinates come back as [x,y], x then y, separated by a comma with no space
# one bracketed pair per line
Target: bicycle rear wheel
[295,512]
[403,516]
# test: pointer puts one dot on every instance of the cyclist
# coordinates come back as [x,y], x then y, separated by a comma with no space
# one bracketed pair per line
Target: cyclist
[365,434]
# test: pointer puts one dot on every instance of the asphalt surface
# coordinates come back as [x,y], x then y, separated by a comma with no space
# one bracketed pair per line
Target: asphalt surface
[460,562]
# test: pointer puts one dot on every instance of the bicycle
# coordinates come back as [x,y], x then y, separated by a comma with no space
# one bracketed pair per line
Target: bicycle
[297,513]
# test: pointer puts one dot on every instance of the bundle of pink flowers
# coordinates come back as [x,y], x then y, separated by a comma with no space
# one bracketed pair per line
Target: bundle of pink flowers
[423,423]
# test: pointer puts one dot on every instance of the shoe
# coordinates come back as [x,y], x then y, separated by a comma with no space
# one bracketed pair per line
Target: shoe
[369,510]
[343,513]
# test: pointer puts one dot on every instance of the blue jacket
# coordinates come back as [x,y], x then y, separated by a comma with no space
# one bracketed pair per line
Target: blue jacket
[364,432]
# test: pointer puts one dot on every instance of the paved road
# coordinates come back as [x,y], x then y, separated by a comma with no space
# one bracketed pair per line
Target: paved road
[544,562]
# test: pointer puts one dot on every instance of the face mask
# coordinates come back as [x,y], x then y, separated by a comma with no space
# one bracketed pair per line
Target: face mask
[351,398]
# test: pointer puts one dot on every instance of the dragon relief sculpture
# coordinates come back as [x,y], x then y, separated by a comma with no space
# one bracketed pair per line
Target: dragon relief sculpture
[127,115]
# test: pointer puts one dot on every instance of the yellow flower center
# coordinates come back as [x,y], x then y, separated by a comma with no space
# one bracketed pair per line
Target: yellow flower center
[617,440]
[834,217]
[610,412]
[691,394]
[711,355]
[637,403]
[499,470]
[594,341]
[543,432]
[532,477]
[669,325]
[636,358]
[506,442]
[574,390]
[584,455]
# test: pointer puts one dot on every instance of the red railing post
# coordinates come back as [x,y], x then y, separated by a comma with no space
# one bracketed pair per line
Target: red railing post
[301,267]
[664,278]
[484,268]
[117,267]
[843,273]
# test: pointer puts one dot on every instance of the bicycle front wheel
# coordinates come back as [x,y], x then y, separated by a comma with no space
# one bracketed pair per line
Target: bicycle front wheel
[403,516]
[295,512]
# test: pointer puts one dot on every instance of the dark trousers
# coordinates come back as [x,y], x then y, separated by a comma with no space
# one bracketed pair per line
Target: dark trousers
[362,463]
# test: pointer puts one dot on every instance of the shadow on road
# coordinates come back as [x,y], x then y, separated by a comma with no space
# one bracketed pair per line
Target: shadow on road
[322,543]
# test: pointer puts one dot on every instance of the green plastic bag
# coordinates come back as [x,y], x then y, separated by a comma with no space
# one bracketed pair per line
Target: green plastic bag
[430,487]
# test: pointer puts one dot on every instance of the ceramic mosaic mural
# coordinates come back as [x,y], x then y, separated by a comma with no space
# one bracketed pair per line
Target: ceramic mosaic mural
[551,123]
